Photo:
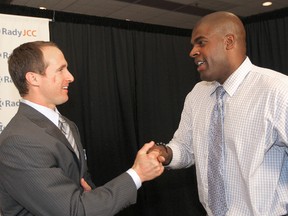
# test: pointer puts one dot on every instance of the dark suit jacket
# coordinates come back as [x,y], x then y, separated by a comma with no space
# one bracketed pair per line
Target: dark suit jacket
[40,173]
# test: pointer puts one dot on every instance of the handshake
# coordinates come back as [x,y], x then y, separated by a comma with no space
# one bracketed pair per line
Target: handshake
[149,163]
[151,159]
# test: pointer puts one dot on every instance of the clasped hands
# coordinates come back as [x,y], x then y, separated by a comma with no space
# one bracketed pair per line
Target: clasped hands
[148,163]
[150,160]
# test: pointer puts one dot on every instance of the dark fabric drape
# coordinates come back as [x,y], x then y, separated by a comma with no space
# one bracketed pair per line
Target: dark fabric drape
[129,89]
[267,43]
[134,87]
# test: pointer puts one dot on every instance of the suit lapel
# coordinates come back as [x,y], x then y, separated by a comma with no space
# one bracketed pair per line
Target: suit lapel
[49,127]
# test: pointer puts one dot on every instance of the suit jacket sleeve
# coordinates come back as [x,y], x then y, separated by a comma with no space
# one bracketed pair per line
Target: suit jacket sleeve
[34,181]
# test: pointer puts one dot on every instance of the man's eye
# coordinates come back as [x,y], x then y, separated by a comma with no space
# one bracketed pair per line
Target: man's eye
[201,43]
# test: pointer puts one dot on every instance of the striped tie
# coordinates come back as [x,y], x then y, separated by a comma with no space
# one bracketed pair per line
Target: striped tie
[64,127]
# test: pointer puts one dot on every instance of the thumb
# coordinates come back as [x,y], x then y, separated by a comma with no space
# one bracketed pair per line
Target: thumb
[85,185]
[146,147]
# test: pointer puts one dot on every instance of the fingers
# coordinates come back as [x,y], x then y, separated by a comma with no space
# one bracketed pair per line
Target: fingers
[147,165]
[161,159]
[154,151]
[146,147]
[158,151]
[85,185]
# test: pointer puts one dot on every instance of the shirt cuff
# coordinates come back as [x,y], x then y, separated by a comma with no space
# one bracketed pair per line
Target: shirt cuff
[135,178]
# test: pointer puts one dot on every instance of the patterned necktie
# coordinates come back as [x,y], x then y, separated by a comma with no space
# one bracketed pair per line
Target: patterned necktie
[65,129]
[216,188]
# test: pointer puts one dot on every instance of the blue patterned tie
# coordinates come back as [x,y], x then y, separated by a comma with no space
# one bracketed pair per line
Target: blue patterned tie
[216,188]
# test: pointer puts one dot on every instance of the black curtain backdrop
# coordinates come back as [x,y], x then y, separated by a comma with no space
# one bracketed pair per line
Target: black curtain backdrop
[131,80]
[267,40]
[129,89]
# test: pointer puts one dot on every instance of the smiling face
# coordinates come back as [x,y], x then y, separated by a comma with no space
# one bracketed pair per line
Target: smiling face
[209,53]
[51,88]
[218,46]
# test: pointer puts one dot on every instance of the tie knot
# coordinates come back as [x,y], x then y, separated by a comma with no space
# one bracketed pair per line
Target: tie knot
[62,125]
[220,91]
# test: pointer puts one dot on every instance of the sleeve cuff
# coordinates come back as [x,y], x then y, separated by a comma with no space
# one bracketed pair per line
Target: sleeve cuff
[135,178]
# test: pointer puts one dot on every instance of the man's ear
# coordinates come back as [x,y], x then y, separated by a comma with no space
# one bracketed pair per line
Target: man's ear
[32,78]
[229,41]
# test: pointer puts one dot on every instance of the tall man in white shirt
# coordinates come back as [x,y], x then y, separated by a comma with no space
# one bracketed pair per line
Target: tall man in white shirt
[255,125]
[41,174]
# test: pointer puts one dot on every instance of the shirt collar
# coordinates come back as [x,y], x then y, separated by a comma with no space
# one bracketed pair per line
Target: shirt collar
[52,115]
[235,79]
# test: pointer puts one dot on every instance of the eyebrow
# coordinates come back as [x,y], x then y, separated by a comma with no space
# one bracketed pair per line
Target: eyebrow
[198,39]
[62,66]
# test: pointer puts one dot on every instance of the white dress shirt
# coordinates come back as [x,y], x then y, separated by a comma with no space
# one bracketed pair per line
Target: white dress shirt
[256,140]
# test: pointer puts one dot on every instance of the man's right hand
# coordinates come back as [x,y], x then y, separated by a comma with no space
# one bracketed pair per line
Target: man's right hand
[165,153]
[147,165]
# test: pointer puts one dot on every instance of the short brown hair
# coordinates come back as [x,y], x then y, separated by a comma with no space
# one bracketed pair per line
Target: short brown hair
[27,57]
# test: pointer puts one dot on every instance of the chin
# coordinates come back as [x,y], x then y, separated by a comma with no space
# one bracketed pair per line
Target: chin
[64,100]
[205,78]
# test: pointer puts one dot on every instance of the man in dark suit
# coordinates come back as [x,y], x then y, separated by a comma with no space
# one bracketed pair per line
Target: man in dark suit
[42,173]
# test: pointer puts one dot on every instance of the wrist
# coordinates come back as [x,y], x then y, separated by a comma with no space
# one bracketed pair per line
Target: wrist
[166,153]
[136,178]
[160,144]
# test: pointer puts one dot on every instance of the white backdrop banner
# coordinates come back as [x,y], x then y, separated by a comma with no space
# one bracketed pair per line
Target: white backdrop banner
[15,30]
